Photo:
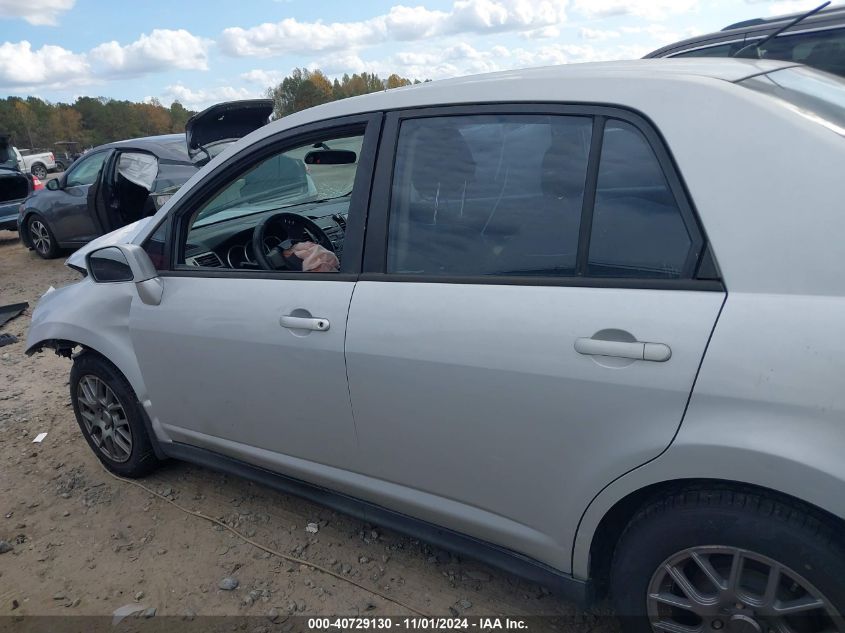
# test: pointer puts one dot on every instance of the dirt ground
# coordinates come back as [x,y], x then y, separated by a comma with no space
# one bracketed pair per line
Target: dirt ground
[87,544]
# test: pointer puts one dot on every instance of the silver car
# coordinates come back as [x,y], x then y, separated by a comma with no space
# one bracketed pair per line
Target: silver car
[584,322]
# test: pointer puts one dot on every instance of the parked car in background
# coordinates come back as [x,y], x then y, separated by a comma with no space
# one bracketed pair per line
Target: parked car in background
[567,320]
[116,184]
[15,186]
[66,152]
[817,40]
[39,164]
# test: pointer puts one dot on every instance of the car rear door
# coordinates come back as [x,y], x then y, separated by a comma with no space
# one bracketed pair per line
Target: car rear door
[530,319]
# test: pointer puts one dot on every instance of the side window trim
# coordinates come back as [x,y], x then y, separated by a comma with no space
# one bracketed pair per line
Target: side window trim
[375,247]
[180,214]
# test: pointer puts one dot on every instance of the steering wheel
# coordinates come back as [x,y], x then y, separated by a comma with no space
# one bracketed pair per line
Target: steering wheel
[285,227]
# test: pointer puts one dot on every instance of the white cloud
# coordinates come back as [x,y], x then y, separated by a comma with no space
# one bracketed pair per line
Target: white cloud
[788,6]
[597,34]
[400,23]
[49,66]
[648,9]
[263,77]
[160,50]
[37,12]
[464,59]
[56,67]
[199,99]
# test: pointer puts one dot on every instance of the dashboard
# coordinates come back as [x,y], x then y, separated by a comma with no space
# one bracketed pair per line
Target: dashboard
[228,243]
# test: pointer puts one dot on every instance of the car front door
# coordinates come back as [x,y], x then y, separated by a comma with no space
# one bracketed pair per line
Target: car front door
[529,322]
[69,215]
[248,361]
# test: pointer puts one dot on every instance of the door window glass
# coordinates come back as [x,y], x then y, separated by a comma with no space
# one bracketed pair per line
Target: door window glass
[638,229]
[824,50]
[488,195]
[86,170]
[293,204]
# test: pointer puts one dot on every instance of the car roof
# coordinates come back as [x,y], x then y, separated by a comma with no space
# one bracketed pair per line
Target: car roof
[164,146]
[564,83]
[759,27]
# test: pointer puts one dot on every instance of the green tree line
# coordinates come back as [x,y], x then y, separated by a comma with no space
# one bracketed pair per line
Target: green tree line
[306,88]
[91,121]
[35,123]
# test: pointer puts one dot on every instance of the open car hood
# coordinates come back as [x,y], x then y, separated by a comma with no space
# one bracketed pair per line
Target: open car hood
[225,122]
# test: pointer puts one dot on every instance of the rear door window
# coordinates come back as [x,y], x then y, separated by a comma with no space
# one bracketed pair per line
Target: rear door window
[488,195]
[638,230]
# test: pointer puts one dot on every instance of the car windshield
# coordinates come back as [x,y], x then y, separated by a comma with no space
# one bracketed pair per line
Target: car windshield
[814,95]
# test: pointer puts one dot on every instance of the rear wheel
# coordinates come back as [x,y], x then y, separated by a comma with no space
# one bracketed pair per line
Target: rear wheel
[728,560]
[110,416]
[39,171]
[41,237]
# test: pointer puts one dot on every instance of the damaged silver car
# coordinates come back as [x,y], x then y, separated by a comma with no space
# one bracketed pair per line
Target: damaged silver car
[583,322]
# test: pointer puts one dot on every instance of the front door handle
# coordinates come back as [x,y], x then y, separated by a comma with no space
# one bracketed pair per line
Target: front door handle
[656,352]
[304,323]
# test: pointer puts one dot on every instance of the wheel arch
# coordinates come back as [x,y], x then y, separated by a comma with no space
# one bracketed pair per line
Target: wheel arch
[602,541]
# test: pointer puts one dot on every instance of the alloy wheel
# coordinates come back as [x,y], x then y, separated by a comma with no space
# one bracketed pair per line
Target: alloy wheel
[39,172]
[713,588]
[40,236]
[104,418]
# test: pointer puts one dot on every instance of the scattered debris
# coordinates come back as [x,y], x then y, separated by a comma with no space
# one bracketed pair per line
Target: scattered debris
[9,312]
[39,438]
[7,339]
[312,528]
[228,583]
[5,546]
[127,610]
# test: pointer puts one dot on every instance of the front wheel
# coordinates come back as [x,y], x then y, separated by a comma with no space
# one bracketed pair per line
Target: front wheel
[41,237]
[731,561]
[110,416]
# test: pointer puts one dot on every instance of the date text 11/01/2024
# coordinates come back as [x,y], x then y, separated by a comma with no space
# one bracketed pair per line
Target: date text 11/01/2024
[432,624]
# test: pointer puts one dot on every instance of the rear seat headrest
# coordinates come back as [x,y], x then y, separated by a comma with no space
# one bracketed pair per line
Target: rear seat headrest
[441,159]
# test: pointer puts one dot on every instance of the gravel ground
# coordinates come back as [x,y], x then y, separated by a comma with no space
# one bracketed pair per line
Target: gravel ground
[86,544]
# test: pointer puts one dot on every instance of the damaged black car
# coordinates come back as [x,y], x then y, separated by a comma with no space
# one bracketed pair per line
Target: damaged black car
[119,183]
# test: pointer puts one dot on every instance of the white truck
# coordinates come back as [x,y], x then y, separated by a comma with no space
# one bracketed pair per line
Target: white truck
[37,164]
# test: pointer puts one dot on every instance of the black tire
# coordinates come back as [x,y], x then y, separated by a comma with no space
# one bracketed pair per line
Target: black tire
[39,171]
[41,237]
[788,533]
[141,459]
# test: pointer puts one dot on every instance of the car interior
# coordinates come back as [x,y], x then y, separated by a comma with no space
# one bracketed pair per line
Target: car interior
[300,195]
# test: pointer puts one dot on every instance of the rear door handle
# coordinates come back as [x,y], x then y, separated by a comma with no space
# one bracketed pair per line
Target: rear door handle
[656,352]
[304,323]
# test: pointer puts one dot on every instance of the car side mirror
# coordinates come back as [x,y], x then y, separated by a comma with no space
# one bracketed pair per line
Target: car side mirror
[126,263]
[53,184]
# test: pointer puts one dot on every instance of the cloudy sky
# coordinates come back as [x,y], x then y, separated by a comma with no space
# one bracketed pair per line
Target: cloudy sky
[201,52]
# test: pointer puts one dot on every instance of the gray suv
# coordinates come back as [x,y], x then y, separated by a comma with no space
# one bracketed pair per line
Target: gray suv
[817,40]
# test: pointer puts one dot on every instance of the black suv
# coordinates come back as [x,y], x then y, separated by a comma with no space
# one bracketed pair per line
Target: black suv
[817,40]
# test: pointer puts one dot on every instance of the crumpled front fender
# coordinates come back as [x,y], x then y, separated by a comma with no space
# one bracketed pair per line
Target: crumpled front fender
[93,315]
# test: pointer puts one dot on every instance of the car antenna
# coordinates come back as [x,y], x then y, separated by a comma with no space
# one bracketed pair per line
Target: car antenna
[757,45]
